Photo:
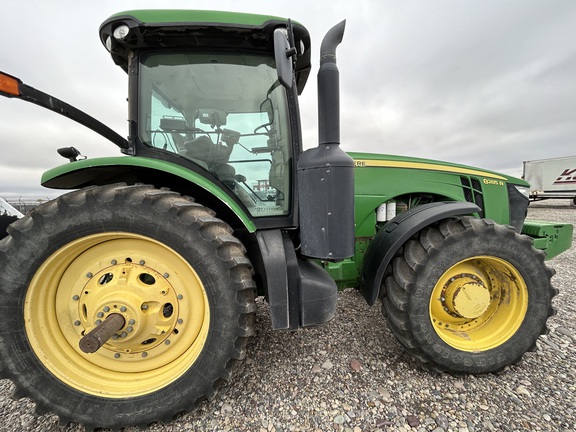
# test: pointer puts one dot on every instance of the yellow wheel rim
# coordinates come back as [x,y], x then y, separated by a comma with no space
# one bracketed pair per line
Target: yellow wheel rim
[479,303]
[160,296]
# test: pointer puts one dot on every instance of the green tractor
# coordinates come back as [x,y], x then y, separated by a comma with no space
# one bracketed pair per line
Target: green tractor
[130,299]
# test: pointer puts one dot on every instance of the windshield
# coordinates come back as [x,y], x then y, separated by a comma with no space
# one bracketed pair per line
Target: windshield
[225,112]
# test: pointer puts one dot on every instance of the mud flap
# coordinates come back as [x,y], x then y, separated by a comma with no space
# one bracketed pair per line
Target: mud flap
[300,292]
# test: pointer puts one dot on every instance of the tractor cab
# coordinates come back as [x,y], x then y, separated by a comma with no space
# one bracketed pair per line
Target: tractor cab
[217,93]
[207,91]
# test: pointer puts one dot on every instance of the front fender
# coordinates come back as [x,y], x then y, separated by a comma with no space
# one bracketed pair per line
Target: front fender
[134,169]
[395,233]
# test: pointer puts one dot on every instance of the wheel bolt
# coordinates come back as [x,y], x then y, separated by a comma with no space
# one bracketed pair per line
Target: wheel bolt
[76,298]
[77,323]
[167,342]
[142,262]
[113,262]
[144,307]
[166,275]
[132,322]
[89,275]
[180,296]
[130,329]
[123,334]
[116,355]
[106,309]
[180,321]
[100,314]
[144,354]
[123,309]
[98,322]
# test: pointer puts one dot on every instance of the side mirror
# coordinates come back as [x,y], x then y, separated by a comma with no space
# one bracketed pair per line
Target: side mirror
[283,57]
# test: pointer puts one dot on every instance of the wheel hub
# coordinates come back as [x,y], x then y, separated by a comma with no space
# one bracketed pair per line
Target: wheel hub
[145,299]
[466,296]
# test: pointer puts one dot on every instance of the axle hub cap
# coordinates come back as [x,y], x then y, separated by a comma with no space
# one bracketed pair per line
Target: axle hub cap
[467,297]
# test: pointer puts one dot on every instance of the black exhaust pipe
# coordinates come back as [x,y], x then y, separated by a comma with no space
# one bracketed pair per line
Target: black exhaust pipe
[326,173]
[329,87]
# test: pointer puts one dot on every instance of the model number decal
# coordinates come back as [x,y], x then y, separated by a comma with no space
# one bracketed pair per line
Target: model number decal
[493,182]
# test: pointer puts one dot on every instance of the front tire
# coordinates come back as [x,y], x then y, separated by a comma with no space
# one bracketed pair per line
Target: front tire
[175,273]
[468,296]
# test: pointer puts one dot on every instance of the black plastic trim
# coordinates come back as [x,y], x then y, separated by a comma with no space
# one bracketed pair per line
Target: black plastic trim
[395,233]
[518,207]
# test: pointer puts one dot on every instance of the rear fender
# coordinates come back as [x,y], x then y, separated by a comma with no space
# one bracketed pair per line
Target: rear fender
[160,173]
[395,233]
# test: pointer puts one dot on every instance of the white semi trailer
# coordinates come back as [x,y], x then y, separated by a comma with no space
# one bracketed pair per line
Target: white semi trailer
[551,178]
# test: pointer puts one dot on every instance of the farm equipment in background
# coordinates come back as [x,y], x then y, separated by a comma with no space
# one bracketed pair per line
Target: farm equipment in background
[128,300]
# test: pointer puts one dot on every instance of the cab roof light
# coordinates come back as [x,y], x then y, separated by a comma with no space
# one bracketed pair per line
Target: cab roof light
[9,85]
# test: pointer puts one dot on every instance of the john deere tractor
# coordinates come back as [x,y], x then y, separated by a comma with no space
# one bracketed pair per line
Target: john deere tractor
[130,299]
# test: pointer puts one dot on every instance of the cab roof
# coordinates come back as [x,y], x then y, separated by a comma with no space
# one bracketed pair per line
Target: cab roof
[166,29]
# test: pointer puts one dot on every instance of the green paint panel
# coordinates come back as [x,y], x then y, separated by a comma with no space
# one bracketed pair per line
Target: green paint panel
[553,238]
[52,175]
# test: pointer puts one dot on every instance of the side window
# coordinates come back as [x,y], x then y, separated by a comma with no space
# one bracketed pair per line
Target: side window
[260,163]
[162,118]
[228,114]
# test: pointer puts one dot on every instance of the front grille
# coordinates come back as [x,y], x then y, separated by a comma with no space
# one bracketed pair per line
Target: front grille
[472,189]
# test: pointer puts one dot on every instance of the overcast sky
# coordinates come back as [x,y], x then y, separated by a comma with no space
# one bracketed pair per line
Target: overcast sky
[486,83]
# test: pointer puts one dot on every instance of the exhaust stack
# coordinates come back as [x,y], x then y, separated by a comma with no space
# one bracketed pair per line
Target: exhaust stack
[326,173]
[329,87]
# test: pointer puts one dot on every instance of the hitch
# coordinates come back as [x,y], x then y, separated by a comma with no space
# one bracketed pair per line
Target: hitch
[99,335]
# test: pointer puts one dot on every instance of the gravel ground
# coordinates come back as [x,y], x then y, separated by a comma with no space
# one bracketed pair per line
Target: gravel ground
[351,375]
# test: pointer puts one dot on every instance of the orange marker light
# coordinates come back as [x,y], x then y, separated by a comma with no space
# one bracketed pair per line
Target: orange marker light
[9,85]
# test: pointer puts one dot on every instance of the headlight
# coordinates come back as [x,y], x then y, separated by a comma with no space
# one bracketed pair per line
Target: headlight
[121,32]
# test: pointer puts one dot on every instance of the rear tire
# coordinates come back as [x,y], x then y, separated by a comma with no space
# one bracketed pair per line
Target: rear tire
[468,296]
[175,272]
